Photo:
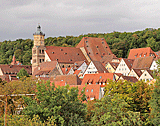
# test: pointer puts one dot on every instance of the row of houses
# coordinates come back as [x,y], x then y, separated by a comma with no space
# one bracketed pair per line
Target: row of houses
[90,64]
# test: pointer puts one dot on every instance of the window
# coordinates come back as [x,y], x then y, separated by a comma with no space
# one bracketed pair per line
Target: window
[145,74]
[40,60]
[40,51]
[139,55]
[87,90]
[92,90]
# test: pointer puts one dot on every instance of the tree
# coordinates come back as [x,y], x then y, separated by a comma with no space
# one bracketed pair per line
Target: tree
[63,103]
[22,73]
[137,95]
[155,102]
[112,110]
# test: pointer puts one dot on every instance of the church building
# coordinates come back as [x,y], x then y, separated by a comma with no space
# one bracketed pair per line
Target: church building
[87,50]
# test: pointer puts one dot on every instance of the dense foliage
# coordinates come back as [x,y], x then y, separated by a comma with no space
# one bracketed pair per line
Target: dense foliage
[124,103]
[120,43]
[63,104]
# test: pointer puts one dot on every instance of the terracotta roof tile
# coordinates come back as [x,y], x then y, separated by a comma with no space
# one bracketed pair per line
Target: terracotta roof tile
[66,70]
[45,67]
[65,54]
[97,78]
[138,72]
[96,48]
[140,52]
[143,62]
[129,78]
[91,91]
[14,69]
[77,72]
[129,62]
[108,58]
[114,64]
[100,67]
[69,79]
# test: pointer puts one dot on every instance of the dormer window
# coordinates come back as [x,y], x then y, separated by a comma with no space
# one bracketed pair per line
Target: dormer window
[52,52]
[96,46]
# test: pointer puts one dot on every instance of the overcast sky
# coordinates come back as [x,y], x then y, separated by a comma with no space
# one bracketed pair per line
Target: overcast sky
[19,18]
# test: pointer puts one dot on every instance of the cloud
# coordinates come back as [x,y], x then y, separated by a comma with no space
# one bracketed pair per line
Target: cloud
[69,17]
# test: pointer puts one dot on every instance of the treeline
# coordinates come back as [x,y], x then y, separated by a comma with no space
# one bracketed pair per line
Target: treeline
[124,104]
[120,44]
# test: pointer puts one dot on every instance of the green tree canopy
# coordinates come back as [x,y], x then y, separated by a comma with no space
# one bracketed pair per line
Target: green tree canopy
[22,73]
[64,104]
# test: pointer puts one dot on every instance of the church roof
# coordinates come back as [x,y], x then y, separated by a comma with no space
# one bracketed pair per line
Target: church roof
[65,54]
[96,48]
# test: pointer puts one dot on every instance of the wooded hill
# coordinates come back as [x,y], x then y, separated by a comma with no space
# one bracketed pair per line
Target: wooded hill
[119,43]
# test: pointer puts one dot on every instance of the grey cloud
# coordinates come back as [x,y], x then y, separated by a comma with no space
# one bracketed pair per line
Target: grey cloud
[69,17]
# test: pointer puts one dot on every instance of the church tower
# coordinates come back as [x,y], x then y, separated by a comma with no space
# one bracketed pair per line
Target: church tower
[38,55]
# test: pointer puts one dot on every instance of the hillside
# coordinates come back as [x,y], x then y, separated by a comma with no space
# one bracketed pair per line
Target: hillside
[119,43]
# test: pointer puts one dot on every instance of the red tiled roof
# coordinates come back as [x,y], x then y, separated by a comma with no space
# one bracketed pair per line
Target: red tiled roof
[135,53]
[100,67]
[91,91]
[69,79]
[129,78]
[96,48]
[138,72]
[59,83]
[14,69]
[158,53]
[114,65]
[65,54]
[97,78]
[77,64]
[108,58]
[77,72]
[143,62]
[129,62]
[66,70]
[44,67]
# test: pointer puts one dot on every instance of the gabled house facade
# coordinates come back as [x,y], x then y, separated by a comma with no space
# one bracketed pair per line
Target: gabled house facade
[146,75]
[135,73]
[112,66]
[95,67]
[124,66]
